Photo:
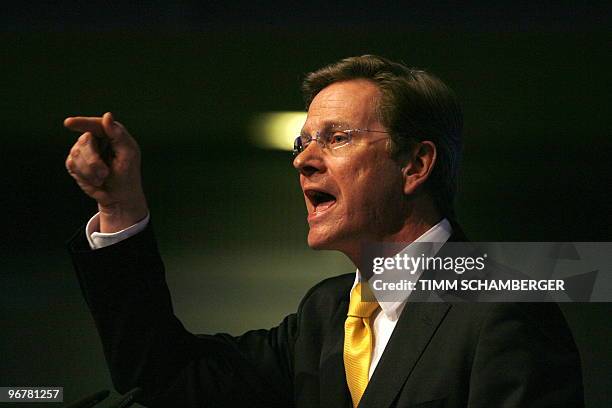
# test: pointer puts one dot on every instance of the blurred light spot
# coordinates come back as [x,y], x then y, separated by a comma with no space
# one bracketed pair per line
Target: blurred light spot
[276,130]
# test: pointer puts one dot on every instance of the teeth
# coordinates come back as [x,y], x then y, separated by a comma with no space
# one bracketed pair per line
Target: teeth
[324,206]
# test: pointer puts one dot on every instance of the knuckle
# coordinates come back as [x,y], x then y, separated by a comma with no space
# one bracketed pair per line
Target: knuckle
[76,167]
[91,157]
[84,138]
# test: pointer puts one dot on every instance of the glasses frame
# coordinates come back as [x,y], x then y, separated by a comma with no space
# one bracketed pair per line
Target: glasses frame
[299,146]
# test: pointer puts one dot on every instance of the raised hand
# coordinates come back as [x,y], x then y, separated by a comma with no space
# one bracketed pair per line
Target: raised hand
[105,162]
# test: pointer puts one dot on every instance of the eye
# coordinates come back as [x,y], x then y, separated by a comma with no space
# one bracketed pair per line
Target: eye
[304,139]
[338,139]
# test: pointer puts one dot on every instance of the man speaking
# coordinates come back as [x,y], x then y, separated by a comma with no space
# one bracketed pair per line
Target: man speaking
[378,159]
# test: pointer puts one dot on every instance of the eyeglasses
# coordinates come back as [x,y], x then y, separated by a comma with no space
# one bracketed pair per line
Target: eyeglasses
[332,139]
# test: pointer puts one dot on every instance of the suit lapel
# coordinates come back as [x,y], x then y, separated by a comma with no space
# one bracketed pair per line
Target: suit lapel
[458,235]
[333,388]
[411,335]
[416,326]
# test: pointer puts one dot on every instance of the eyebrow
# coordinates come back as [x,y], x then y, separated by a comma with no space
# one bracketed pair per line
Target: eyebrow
[331,124]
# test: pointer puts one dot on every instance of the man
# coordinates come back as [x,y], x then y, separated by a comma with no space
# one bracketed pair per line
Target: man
[378,159]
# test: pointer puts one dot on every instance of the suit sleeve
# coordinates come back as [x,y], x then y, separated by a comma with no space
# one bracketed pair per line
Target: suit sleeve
[146,345]
[525,357]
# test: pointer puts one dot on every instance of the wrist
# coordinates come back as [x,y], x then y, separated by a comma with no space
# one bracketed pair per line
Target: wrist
[117,217]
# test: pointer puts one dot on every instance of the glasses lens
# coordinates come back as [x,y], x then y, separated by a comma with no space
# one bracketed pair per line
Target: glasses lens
[338,139]
[298,146]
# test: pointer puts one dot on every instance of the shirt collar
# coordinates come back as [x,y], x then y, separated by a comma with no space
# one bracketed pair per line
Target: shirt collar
[436,235]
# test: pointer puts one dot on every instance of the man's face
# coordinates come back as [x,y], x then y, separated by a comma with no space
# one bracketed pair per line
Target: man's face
[354,193]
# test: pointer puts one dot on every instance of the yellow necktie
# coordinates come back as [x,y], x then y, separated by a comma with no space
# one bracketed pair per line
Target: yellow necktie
[358,342]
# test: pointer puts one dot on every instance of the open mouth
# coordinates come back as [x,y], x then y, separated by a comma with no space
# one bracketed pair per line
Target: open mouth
[320,201]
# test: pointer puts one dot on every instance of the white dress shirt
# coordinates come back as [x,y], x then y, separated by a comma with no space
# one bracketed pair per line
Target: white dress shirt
[385,318]
[99,240]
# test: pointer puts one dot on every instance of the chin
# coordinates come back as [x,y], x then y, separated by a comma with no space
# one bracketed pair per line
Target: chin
[319,240]
[318,243]
[324,241]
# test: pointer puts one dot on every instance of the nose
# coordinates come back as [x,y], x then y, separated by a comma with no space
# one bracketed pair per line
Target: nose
[310,160]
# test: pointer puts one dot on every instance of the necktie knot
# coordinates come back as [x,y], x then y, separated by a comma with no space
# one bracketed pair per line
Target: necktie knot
[362,302]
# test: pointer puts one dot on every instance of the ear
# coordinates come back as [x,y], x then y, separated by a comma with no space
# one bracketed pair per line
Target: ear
[419,166]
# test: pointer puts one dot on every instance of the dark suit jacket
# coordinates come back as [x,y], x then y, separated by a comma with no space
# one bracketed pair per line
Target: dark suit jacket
[439,355]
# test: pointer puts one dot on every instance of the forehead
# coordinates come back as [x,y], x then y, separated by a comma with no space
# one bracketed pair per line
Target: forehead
[352,103]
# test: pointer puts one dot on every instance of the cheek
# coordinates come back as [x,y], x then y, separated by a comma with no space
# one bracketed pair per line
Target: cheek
[373,190]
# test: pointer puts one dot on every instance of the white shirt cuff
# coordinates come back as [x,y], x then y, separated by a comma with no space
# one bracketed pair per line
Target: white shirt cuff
[99,240]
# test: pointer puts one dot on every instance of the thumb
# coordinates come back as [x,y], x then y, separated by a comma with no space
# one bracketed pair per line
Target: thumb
[116,134]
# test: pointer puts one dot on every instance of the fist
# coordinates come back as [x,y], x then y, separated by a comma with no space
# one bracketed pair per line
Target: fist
[105,163]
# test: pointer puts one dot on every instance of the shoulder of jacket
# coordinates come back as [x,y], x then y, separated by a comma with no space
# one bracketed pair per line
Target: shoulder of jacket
[332,289]
[545,318]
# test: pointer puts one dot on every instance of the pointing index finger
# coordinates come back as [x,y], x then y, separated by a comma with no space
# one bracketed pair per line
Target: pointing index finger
[85,124]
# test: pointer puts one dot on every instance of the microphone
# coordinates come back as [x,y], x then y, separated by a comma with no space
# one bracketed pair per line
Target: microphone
[127,399]
[91,400]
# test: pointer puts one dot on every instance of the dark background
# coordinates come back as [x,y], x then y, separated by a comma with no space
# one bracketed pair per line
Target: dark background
[187,78]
